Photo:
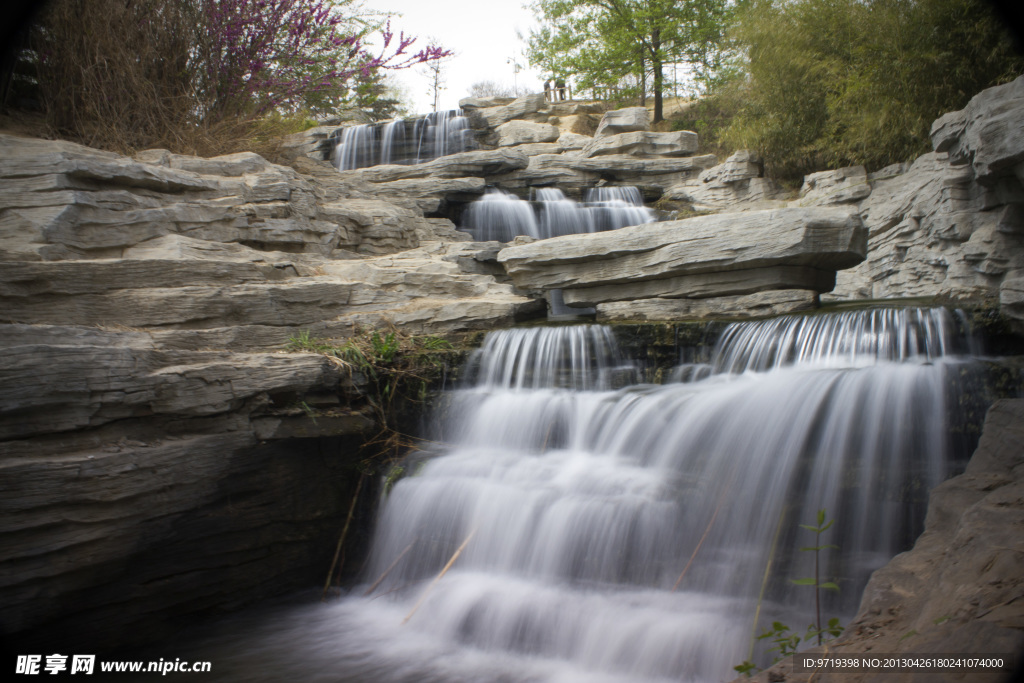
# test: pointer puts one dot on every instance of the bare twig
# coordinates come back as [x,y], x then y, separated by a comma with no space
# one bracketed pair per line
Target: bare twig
[390,567]
[341,539]
[718,506]
[439,576]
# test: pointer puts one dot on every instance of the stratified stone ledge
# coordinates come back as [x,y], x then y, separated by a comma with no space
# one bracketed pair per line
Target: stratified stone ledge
[762,304]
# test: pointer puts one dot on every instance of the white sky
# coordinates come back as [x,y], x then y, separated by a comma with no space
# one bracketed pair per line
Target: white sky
[481,33]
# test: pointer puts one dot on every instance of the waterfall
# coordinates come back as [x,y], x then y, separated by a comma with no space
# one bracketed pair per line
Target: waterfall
[401,142]
[582,499]
[501,216]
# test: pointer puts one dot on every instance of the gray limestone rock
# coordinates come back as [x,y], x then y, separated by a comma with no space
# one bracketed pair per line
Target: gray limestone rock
[987,134]
[932,235]
[842,186]
[734,185]
[743,307]
[522,132]
[777,249]
[643,143]
[573,140]
[464,164]
[494,116]
[576,173]
[623,121]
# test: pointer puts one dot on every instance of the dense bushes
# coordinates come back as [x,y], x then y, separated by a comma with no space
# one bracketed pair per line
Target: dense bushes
[201,75]
[829,83]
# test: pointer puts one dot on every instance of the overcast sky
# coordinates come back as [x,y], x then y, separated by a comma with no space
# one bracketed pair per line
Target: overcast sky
[481,34]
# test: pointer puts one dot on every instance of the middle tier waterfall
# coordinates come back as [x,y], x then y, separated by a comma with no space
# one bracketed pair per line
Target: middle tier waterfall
[588,528]
[502,216]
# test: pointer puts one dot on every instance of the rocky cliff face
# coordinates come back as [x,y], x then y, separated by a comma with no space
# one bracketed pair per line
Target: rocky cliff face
[950,224]
[156,454]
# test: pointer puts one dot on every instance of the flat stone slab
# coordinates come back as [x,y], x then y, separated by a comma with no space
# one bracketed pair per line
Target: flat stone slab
[759,305]
[708,285]
[715,255]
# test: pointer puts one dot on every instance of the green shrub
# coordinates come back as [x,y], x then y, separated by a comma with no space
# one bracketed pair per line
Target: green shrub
[830,83]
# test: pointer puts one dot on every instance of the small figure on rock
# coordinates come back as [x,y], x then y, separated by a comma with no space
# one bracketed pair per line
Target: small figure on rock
[560,86]
[547,91]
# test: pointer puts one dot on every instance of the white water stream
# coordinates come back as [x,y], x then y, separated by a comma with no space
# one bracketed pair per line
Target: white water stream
[584,504]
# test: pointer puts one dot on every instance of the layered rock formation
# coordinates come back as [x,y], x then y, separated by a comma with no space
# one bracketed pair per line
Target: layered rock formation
[155,441]
[707,257]
[951,224]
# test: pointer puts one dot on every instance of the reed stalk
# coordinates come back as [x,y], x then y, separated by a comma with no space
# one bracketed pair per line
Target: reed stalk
[390,567]
[437,578]
[341,539]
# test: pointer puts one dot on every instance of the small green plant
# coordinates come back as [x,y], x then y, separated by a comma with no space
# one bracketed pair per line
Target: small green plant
[786,640]
[814,581]
[436,343]
[384,348]
[304,341]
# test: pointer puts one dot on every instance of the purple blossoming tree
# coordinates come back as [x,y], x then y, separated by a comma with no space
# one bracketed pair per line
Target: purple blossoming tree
[265,55]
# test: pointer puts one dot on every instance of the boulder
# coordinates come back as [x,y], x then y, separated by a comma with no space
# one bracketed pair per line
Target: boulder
[482,102]
[932,235]
[741,165]
[643,143]
[93,204]
[1011,301]
[575,173]
[842,186]
[734,185]
[706,256]
[537,148]
[573,140]
[494,116]
[987,134]
[623,121]
[707,285]
[521,132]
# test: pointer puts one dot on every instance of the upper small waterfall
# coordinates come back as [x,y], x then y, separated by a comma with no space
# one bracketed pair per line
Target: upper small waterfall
[403,142]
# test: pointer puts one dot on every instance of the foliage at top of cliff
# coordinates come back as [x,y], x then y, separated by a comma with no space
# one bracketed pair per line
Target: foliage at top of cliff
[189,74]
[830,83]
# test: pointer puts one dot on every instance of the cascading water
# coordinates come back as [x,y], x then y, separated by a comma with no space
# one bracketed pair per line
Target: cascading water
[434,135]
[624,534]
[502,216]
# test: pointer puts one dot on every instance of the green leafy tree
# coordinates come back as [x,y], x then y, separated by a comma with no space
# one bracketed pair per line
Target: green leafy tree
[829,83]
[609,43]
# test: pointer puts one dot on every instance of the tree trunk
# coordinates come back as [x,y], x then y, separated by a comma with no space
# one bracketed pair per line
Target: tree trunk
[643,78]
[659,80]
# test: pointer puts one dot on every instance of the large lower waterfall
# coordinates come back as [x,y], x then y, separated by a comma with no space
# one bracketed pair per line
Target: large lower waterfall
[603,530]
